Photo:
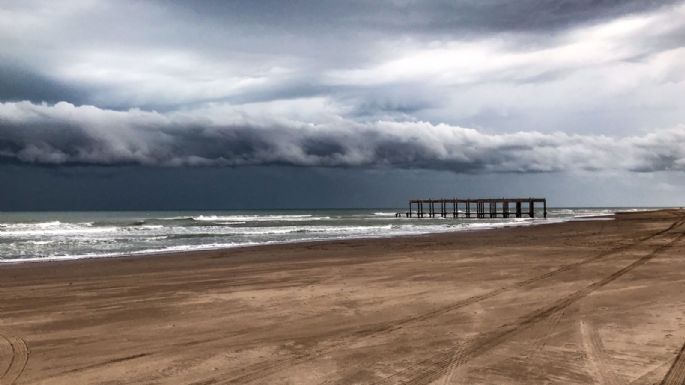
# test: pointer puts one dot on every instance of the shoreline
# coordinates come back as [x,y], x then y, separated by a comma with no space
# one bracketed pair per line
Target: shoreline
[303,243]
[527,222]
[581,300]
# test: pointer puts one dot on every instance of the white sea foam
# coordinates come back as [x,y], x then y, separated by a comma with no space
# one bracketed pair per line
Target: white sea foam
[47,224]
[35,225]
[39,242]
[96,235]
[258,218]
[57,231]
[174,218]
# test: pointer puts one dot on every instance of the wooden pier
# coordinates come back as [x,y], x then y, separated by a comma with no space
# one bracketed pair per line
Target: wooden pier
[484,208]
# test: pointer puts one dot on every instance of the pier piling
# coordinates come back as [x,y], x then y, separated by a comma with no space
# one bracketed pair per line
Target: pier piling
[531,208]
[500,207]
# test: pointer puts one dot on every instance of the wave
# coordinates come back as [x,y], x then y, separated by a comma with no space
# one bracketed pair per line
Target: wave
[73,237]
[314,233]
[174,218]
[149,227]
[54,230]
[161,250]
[258,218]
[31,225]
[39,243]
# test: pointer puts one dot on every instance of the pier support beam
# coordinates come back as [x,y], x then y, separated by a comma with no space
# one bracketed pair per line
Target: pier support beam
[531,209]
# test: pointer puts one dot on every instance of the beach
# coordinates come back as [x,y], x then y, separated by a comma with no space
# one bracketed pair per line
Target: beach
[595,301]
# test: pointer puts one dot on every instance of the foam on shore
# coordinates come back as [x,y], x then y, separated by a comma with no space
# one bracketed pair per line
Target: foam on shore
[60,236]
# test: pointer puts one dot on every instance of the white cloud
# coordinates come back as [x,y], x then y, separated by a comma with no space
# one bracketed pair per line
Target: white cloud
[229,135]
[573,94]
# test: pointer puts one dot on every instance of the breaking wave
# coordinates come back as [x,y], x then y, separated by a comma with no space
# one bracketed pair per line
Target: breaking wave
[58,236]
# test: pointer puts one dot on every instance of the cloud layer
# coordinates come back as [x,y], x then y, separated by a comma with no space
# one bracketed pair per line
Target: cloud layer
[542,85]
[607,67]
[227,136]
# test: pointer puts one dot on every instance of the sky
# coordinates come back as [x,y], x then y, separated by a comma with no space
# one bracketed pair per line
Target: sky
[292,104]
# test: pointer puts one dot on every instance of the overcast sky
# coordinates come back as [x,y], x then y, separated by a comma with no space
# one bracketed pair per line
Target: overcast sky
[235,104]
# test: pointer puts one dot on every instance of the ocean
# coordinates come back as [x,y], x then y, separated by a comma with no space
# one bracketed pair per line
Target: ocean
[43,236]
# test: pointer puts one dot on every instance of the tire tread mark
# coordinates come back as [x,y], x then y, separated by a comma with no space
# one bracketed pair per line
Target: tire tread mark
[18,359]
[676,373]
[646,378]
[105,363]
[500,290]
[439,363]
[263,369]
[597,353]
[10,354]
[531,354]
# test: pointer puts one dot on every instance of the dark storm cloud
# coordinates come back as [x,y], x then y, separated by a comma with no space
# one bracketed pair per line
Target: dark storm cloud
[66,134]
[166,55]
[424,17]
[19,83]
[550,85]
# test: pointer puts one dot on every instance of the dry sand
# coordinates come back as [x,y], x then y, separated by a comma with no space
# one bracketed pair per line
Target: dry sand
[599,302]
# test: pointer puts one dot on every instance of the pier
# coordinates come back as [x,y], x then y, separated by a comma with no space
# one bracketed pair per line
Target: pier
[482,208]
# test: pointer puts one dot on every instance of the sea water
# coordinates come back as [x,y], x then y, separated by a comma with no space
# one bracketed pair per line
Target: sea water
[38,236]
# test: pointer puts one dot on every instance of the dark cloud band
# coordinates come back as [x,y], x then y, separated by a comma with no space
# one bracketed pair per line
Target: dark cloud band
[63,134]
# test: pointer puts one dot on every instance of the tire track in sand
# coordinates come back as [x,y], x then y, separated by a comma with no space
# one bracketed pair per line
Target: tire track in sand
[18,353]
[264,369]
[649,377]
[532,280]
[540,339]
[597,355]
[676,374]
[436,366]
[495,292]
[6,356]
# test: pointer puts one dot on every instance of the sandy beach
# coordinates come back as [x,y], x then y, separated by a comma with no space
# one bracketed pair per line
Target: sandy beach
[582,302]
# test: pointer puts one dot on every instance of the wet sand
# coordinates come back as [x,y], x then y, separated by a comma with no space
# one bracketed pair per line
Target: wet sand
[592,302]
